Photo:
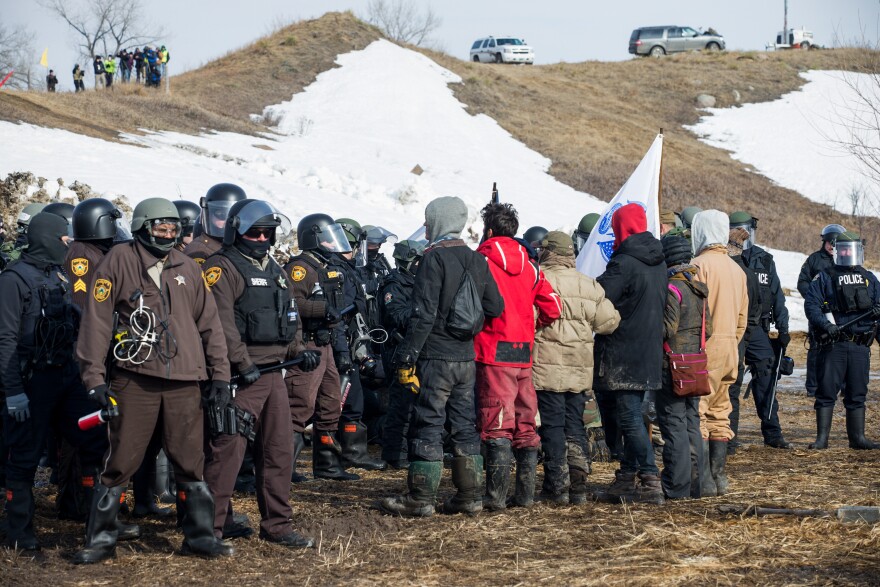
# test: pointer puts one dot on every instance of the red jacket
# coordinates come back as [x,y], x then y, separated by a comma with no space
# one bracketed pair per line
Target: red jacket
[507,340]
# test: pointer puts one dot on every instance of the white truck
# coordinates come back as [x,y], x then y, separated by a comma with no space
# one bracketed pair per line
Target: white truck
[794,39]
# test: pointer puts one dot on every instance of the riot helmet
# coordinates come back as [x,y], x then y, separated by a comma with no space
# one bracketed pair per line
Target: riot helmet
[24,217]
[318,232]
[95,219]
[407,254]
[583,230]
[849,250]
[352,229]
[215,206]
[190,214]
[687,215]
[156,225]
[746,221]
[535,235]
[376,236]
[63,210]
[831,232]
[254,219]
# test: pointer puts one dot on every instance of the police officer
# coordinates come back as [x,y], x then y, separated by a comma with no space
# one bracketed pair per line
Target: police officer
[190,216]
[62,209]
[687,216]
[843,306]
[318,291]
[815,264]
[583,230]
[396,312]
[166,341]
[12,250]
[39,378]
[215,205]
[260,321]
[760,354]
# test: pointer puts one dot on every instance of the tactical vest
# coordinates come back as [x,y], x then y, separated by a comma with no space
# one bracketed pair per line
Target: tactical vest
[49,322]
[330,282]
[266,312]
[852,292]
[761,265]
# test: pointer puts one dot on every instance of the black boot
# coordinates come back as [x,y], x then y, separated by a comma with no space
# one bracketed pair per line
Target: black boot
[74,499]
[623,488]
[579,469]
[353,439]
[90,479]
[717,463]
[823,427]
[526,470]
[325,458]
[422,481]
[298,444]
[144,499]
[855,430]
[555,488]
[707,482]
[20,516]
[162,488]
[198,522]
[467,476]
[102,530]
[498,459]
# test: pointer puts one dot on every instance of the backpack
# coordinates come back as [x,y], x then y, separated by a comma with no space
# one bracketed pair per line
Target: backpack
[465,317]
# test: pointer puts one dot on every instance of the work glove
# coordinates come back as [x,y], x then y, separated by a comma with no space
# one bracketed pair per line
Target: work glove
[875,311]
[649,406]
[343,361]
[784,338]
[219,394]
[101,395]
[250,375]
[832,329]
[406,376]
[332,315]
[17,406]
[310,360]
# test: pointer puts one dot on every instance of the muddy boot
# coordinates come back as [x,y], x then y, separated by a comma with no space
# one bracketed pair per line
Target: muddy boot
[325,458]
[467,476]
[298,444]
[20,517]
[707,482]
[526,471]
[823,428]
[198,522]
[102,530]
[623,487]
[353,439]
[855,430]
[555,488]
[578,471]
[498,459]
[422,481]
[597,448]
[649,490]
[717,463]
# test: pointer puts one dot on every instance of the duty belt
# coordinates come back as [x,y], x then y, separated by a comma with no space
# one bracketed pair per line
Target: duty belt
[861,338]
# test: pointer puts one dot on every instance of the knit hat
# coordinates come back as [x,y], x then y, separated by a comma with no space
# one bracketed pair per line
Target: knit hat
[627,221]
[738,236]
[559,243]
[710,227]
[667,217]
[445,216]
[676,250]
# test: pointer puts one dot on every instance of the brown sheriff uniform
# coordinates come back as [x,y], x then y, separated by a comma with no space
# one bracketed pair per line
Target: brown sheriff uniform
[317,392]
[202,247]
[82,259]
[193,349]
[266,399]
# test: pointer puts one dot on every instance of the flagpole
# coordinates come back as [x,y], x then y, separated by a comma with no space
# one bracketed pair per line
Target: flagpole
[660,179]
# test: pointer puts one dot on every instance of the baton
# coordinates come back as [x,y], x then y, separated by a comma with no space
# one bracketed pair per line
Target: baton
[271,368]
[775,382]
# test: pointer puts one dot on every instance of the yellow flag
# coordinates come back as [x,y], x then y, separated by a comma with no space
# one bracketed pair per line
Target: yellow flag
[44,60]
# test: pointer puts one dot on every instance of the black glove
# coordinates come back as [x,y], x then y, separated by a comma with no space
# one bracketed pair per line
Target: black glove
[875,311]
[219,394]
[832,329]
[402,359]
[343,361]
[332,315]
[250,375]
[310,360]
[101,395]
[784,338]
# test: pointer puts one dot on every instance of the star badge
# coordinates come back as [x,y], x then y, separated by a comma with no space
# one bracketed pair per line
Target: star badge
[180,280]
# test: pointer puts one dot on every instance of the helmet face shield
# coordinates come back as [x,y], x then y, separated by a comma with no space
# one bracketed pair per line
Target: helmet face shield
[831,232]
[751,227]
[581,240]
[420,235]
[123,230]
[332,239]
[215,220]
[376,236]
[849,254]
[261,214]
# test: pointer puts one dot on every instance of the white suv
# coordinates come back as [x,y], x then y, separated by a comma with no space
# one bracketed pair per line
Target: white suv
[502,50]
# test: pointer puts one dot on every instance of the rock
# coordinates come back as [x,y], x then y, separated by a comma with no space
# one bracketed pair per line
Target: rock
[736,96]
[417,170]
[705,101]
[751,88]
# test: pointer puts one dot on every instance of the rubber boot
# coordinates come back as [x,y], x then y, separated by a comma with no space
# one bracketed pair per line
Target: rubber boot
[325,458]
[353,439]
[649,489]
[102,530]
[298,444]
[707,482]
[555,488]
[89,480]
[579,470]
[198,522]
[498,459]
[855,430]
[526,471]
[467,476]
[144,499]
[72,501]
[161,480]
[718,461]
[623,487]
[823,428]
[20,516]
[423,480]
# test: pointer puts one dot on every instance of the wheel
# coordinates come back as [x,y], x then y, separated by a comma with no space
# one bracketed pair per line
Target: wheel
[657,51]
[805,46]
[498,58]
[476,58]
[713,47]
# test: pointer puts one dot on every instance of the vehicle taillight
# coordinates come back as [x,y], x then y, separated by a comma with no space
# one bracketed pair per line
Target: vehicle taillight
[638,43]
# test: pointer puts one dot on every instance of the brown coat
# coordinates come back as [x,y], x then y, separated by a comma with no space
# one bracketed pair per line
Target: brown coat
[198,347]
[304,278]
[202,247]
[82,260]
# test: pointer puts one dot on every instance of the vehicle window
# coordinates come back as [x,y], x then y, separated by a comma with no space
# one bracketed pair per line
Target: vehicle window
[652,33]
[485,43]
[635,35]
[688,32]
[476,44]
[509,42]
[674,33]
[491,42]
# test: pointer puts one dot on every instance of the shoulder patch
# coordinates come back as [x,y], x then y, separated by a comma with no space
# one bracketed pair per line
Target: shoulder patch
[212,275]
[79,266]
[298,273]
[102,289]
[388,297]
[332,274]
[199,260]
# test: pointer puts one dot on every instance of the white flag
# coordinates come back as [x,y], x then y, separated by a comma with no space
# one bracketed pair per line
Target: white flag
[642,187]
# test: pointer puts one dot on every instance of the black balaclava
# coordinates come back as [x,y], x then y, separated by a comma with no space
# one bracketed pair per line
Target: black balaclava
[104,244]
[254,249]
[45,246]
[158,246]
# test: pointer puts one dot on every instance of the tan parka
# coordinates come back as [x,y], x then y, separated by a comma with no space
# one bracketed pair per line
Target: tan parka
[563,352]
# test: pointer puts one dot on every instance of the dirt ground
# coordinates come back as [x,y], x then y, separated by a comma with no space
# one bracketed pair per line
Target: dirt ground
[685,542]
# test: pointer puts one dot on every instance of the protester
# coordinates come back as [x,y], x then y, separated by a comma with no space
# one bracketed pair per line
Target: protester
[100,72]
[51,81]
[78,74]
